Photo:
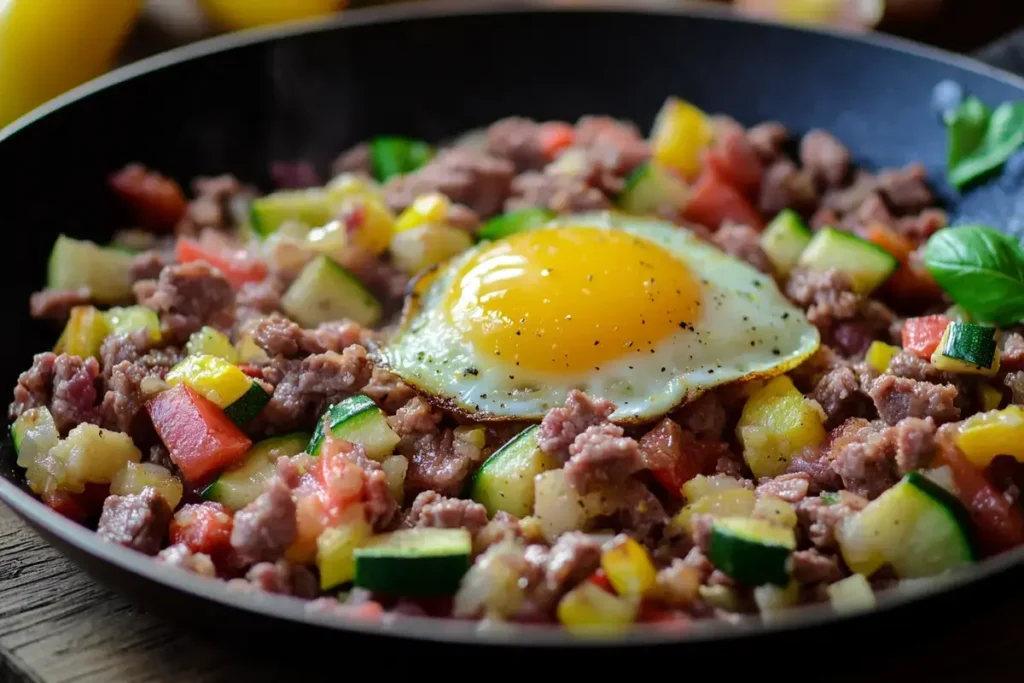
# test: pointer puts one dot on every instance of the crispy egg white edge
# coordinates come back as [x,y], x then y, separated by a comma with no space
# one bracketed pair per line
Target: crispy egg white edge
[416,340]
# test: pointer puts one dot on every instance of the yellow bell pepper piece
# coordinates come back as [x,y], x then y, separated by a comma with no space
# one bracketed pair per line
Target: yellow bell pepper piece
[727,503]
[997,432]
[235,15]
[84,333]
[335,548]
[629,568]
[703,485]
[426,209]
[215,378]
[589,609]
[990,397]
[880,354]
[681,132]
[210,342]
[354,185]
[778,423]
[133,319]
[49,46]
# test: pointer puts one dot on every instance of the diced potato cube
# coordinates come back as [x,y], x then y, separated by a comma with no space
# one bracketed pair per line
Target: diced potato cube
[775,510]
[559,507]
[702,485]
[423,246]
[778,423]
[629,568]
[852,594]
[727,503]
[770,598]
[92,455]
[134,477]
[589,609]
[395,468]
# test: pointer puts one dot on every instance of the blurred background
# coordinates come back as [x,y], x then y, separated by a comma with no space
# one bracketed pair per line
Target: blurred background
[49,46]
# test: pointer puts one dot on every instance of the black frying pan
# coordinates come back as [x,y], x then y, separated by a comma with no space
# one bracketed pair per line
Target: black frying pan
[433,70]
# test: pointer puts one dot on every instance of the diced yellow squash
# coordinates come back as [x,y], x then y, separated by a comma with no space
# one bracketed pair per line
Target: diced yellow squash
[429,208]
[588,609]
[997,432]
[629,568]
[775,510]
[335,548]
[990,397]
[249,350]
[778,423]
[702,485]
[727,503]
[879,355]
[128,319]
[84,333]
[92,455]
[423,246]
[949,364]
[134,477]
[395,468]
[681,132]
[211,342]
[852,594]
[221,382]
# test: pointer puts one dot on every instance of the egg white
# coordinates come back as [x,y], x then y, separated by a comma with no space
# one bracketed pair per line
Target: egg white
[747,329]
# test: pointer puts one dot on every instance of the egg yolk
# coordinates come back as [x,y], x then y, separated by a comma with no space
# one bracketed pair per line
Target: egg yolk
[566,300]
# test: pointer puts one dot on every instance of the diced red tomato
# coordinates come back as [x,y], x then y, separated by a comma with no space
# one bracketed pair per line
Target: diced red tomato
[911,282]
[199,436]
[999,524]
[921,336]
[555,137]
[715,201]
[204,528]
[237,267]
[158,202]
[600,579]
[735,161]
[341,480]
[652,614]
[251,370]
[684,456]
[367,611]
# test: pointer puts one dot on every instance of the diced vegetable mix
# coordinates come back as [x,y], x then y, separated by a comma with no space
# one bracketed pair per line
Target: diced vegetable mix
[320,240]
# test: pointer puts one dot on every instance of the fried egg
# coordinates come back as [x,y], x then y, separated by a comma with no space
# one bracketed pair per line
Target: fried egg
[637,311]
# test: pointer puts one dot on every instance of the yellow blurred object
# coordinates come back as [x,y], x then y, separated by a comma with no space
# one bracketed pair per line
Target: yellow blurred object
[629,568]
[235,15]
[50,46]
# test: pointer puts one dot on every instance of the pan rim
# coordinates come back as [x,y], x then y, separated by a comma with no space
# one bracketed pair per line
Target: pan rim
[451,631]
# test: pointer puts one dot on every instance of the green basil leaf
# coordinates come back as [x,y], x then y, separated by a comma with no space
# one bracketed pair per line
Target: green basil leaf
[980,141]
[981,269]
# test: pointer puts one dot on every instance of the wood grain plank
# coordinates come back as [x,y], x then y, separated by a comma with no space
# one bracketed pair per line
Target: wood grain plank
[57,625]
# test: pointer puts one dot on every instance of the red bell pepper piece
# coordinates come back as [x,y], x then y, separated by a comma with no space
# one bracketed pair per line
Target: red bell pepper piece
[921,336]
[555,137]
[715,201]
[204,528]
[1000,525]
[911,282]
[157,201]
[199,436]
[236,266]
[600,579]
[79,507]
[675,456]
